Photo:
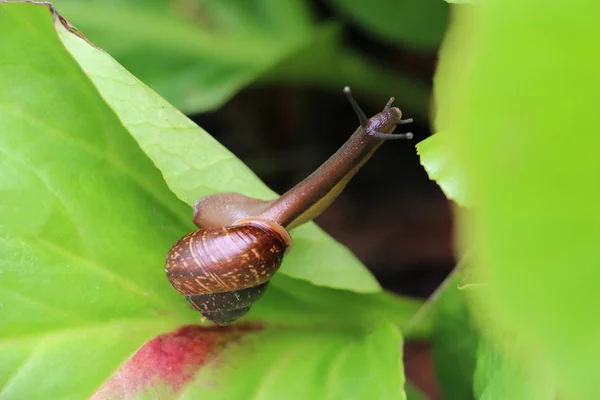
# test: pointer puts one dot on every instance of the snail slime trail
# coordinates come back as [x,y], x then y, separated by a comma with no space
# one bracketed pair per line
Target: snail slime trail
[225,266]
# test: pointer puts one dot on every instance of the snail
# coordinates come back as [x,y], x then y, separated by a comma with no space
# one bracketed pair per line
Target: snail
[225,266]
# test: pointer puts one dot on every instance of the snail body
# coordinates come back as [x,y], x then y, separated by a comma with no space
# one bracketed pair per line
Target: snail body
[225,266]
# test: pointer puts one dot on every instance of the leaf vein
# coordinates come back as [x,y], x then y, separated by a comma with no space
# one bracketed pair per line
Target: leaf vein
[102,270]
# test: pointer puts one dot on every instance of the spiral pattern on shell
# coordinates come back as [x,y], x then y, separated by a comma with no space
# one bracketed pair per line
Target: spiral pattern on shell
[222,271]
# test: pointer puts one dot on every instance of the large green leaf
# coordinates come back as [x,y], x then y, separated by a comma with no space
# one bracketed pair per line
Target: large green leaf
[195,165]
[417,23]
[307,365]
[296,303]
[531,84]
[81,275]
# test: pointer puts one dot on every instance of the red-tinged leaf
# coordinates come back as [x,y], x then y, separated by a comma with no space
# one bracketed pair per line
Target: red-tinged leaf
[239,361]
[166,363]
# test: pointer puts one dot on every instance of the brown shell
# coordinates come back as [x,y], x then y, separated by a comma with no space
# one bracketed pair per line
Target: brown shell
[224,259]
[223,308]
[227,301]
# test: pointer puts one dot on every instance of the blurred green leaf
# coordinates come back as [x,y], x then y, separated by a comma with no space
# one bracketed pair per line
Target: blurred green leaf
[470,361]
[507,368]
[533,227]
[454,67]
[413,393]
[325,63]
[440,154]
[196,54]
[443,166]
[498,377]
[195,165]
[454,340]
[417,23]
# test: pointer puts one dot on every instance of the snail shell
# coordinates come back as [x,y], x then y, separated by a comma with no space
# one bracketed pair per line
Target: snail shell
[222,271]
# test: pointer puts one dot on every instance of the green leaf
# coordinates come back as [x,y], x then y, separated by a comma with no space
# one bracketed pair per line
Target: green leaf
[440,154]
[293,311]
[195,165]
[81,275]
[296,303]
[196,54]
[453,330]
[443,165]
[469,361]
[499,377]
[413,393]
[507,368]
[318,364]
[420,24]
[253,361]
[455,340]
[526,133]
